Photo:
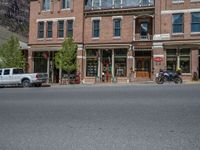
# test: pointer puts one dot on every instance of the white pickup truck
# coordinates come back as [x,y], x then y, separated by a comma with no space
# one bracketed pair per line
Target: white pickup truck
[17,77]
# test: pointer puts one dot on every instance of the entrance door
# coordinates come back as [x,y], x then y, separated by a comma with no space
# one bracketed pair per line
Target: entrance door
[106,66]
[143,67]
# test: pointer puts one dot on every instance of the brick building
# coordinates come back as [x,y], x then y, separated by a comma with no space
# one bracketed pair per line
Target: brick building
[118,40]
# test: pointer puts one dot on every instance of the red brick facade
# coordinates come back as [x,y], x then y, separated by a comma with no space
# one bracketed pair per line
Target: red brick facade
[140,47]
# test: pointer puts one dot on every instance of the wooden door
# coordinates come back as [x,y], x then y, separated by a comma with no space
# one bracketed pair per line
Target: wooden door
[143,67]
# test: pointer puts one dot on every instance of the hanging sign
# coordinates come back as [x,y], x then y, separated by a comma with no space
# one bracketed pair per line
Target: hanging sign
[157,59]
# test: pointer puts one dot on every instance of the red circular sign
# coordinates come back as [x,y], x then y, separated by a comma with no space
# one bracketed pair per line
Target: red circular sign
[157,59]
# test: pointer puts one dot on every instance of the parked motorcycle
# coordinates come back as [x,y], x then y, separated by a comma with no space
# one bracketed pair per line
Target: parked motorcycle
[166,76]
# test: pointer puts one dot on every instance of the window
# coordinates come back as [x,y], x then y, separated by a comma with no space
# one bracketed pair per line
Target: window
[0,72]
[185,60]
[96,4]
[117,3]
[195,25]
[106,4]
[178,59]
[49,29]
[61,29]
[18,71]
[177,23]
[144,30]
[95,28]
[91,63]
[6,72]
[40,29]
[40,62]
[117,27]
[46,5]
[120,62]
[145,2]
[70,28]
[66,4]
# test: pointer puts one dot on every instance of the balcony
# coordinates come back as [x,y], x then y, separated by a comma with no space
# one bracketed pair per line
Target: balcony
[139,37]
[116,4]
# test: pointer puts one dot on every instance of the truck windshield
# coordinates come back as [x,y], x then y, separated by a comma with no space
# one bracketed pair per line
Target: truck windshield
[18,71]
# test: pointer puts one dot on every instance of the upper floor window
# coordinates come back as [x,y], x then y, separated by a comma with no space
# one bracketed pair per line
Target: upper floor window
[117,3]
[195,24]
[49,29]
[60,29]
[95,26]
[117,27]
[106,3]
[177,23]
[66,4]
[144,30]
[40,29]
[46,5]
[96,4]
[70,28]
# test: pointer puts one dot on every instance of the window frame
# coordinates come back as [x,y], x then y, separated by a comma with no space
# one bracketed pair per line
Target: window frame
[66,7]
[44,3]
[59,29]
[115,29]
[195,22]
[41,26]
[49,29]
[178,24]
[95,29]
[70,30]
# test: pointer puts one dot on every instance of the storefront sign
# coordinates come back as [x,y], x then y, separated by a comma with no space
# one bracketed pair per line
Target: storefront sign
[157,59]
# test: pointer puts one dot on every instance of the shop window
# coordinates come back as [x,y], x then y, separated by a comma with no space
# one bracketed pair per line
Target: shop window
[195,24]
[177,23]
[178,59]
[117,27]
[40,29]
[91,63]
[120,63]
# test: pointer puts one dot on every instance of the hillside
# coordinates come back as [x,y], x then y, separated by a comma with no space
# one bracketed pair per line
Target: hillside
[14,19]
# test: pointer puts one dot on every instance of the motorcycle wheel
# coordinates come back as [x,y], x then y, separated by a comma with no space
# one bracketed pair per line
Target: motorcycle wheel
[159,80]
[178,80]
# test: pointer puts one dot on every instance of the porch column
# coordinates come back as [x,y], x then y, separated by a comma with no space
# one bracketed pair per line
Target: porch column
[134,18]
[48,66]
[99,63]
[113,57]
[30,61]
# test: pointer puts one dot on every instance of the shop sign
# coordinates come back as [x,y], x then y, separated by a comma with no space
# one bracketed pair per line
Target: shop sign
[157,59]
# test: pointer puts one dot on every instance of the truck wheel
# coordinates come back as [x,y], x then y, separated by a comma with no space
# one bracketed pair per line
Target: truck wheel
[26,83]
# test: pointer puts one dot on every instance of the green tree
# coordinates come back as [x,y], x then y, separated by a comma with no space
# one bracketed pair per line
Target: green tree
[11,54]
[65,58]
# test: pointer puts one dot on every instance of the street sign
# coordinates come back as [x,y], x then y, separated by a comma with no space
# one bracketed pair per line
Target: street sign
[157,59]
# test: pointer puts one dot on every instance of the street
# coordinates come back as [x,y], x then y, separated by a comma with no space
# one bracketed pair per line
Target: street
[87,117]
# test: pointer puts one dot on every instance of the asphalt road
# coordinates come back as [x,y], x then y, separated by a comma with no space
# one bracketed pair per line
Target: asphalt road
[132,117]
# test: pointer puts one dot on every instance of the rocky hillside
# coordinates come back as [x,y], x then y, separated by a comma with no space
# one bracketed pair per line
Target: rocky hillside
[14,16]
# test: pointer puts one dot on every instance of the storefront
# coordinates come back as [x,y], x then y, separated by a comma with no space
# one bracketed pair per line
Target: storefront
[106,65]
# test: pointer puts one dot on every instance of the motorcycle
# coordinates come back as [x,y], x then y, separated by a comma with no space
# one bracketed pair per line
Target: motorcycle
[166,76]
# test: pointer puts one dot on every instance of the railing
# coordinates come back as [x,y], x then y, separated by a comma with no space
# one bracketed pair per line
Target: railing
[109,4]
[147,37]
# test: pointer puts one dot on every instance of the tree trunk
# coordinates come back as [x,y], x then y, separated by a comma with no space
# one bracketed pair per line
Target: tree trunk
[60,75]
